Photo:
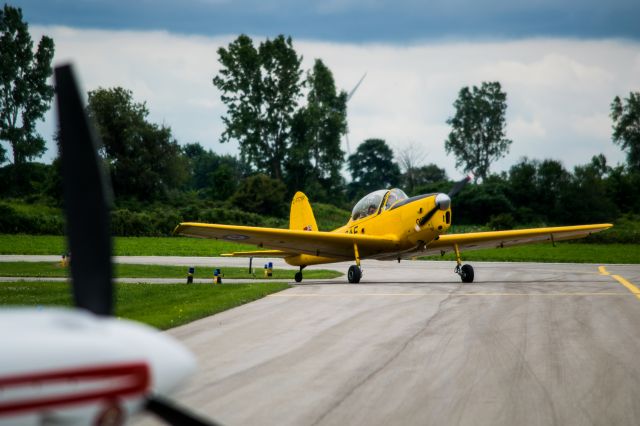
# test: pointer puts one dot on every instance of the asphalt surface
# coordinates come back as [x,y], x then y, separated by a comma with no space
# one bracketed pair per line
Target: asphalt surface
[525,344]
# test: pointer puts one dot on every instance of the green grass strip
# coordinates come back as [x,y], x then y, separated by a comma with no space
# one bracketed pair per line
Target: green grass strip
[123,246]
[161,306]
[561,253]
[179,246]
[125,270]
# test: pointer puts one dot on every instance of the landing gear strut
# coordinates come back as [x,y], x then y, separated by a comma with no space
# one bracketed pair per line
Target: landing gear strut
[465,271]
[355,273]
[298,275]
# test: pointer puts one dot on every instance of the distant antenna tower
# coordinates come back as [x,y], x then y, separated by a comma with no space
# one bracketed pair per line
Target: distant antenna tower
[349,96]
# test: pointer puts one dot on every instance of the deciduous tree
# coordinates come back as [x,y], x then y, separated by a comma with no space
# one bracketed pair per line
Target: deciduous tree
[626,127]
[372,167]
[213,176]
[25,94]
[260,87]
[144,159]
[477,136]
[315,157]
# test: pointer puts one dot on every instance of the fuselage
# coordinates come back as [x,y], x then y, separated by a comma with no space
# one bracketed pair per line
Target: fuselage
[399,221]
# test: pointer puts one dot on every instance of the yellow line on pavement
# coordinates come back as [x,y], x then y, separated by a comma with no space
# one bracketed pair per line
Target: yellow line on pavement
[632,288]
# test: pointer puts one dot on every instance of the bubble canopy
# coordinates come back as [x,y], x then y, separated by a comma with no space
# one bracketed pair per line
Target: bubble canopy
[377,201]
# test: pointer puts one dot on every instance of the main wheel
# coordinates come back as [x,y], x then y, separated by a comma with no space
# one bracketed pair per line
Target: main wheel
[466,273]
[298,276]
[354,274]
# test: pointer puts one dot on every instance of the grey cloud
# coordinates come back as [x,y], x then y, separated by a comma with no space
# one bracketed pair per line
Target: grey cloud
[351,20]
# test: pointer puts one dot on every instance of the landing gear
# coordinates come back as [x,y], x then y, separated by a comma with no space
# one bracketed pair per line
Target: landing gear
[354,274]
[298,275]
[465,271]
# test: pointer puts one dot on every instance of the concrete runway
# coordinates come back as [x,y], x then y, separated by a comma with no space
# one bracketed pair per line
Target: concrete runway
[533,344]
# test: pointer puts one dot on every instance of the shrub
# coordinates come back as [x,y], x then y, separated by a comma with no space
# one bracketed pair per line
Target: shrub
[30,220]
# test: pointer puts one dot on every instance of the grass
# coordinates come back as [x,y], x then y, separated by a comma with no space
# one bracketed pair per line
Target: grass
[49,269]
[123,246]
[180,246]
[563,252]
[161,306]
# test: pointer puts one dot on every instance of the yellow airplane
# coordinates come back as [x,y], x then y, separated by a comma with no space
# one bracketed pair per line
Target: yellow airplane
[384,225]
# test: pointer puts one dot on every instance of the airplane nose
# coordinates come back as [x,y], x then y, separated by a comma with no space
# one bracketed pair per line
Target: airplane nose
[443,201]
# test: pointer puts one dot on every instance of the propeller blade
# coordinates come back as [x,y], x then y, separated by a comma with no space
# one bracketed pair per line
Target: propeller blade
[442,202]
[174,415]
[460,184]
[424,219]
[87,199]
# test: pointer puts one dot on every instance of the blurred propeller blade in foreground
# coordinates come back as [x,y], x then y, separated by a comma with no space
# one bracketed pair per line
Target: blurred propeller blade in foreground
[87,198]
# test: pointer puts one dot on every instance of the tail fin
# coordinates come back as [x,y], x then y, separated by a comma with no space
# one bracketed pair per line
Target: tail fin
[301,217]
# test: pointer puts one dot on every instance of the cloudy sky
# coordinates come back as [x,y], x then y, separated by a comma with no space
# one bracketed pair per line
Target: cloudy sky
[561,63]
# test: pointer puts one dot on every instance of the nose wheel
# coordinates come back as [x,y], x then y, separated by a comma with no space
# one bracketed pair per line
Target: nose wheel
[298,275]
[465,271]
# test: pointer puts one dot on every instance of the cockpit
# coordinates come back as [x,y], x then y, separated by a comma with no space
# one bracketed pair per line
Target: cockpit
[377,201]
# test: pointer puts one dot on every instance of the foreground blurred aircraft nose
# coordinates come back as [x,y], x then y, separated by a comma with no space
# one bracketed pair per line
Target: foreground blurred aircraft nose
[169,361]
[65,364]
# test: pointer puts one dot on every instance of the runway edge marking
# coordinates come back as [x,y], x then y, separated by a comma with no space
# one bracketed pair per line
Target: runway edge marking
[632,288]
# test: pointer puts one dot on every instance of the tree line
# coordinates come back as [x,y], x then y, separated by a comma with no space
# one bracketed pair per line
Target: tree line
[289,123]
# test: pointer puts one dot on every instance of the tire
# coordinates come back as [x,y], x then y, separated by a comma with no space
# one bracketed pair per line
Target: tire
[298,277]
[466,273]
[354,274]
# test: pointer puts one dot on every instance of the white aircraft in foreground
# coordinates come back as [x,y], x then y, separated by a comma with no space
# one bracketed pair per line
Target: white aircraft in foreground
[83,366]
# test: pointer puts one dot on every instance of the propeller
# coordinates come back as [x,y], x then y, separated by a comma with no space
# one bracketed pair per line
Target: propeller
[443,201]
[460,184]
[87,198]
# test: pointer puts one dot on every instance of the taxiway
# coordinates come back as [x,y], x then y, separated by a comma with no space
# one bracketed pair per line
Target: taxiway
[527,344]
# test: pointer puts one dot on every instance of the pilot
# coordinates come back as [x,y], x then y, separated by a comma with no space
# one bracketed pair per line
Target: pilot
[391,200]
[372,210]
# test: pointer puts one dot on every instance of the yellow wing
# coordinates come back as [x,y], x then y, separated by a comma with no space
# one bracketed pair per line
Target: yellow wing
[291,242]
[259,253]
[499,239]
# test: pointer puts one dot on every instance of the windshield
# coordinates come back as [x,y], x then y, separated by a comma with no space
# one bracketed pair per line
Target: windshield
[394,196]
[368,205]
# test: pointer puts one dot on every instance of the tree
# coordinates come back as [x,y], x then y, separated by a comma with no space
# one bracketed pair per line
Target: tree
[482,204]
[144,159]
[260,194]
[315,157]
[418,178]
[24,93]
[626,127]
[213,176]
[477,136]
[588,195]
[553,182]
[372,167]
[430,174]
[523,191]
[260,88]
[409,160]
